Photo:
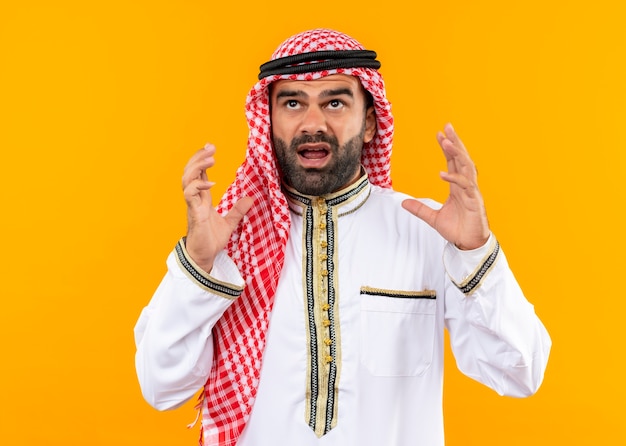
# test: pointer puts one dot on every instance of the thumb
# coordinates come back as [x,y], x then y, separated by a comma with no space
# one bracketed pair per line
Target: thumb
[420,210]
[238,211]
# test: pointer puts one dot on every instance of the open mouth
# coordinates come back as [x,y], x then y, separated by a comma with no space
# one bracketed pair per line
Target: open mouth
[313,151]
[313,154]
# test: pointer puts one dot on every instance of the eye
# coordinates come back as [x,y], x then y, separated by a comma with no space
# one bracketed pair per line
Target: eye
[292,104]
[335,104]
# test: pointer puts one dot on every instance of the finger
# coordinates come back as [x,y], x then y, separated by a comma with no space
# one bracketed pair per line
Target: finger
[198,172]
[420,210]
[450,148]
[457,154]
[451,153]
[457,157]
[195,190]
[440,138]
[207,151]
[453,136]
[460,181]
[241,208]
[463,190]
[197,166]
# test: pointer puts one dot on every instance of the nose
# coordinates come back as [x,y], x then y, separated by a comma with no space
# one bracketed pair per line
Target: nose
[313,121]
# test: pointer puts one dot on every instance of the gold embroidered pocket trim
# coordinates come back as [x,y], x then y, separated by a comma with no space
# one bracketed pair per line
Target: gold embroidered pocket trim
[423,294]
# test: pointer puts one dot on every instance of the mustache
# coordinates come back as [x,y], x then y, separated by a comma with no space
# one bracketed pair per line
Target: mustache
[312,139]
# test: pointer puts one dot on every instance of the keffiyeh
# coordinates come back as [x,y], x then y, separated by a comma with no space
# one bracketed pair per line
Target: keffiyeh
[257,246]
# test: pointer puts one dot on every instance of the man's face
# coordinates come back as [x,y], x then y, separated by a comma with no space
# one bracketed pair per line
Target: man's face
[318,131]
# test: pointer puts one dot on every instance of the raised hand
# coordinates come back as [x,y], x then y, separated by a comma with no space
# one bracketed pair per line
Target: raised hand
[462,219]
[207,231]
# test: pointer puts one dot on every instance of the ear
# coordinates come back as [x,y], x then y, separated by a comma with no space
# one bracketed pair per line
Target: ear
[370,124]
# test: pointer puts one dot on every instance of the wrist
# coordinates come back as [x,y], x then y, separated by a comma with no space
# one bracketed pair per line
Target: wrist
[200,261]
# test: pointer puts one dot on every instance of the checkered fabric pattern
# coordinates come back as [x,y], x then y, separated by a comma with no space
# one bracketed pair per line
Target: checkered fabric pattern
[257,246]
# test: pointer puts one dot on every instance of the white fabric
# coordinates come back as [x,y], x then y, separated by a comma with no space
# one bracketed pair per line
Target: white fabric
[390,383]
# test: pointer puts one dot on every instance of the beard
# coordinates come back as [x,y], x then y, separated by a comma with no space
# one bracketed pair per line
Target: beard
[339,172]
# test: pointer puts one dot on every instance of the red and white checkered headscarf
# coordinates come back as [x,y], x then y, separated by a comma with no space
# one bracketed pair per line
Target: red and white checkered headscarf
[258,244]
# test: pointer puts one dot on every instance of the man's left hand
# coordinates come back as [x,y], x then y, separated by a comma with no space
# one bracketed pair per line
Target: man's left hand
[462,219]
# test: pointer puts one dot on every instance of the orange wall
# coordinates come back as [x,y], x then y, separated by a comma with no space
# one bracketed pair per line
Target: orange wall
[103,102]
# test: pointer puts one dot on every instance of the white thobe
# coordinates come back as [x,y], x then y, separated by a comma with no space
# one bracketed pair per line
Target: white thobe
[354,352]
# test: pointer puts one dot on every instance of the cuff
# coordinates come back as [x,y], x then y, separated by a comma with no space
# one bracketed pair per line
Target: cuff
[462,268]
[223,268]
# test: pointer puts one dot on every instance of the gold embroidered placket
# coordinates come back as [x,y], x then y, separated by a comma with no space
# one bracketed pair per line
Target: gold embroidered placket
[321,299]
[321,304]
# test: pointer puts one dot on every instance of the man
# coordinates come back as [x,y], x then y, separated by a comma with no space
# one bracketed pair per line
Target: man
[311,303]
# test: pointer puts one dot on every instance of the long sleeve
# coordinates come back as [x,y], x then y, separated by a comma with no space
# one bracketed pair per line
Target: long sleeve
[173,333]
[496,337]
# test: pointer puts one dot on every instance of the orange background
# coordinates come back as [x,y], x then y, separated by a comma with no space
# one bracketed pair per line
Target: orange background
[103,102]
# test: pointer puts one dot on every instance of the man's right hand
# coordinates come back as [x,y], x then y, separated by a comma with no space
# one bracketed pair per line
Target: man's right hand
[207,231]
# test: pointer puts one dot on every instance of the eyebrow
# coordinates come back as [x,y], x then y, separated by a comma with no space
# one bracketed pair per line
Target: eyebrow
[323,94]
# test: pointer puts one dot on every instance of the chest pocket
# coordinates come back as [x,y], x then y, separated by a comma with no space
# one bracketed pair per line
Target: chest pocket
[397,331]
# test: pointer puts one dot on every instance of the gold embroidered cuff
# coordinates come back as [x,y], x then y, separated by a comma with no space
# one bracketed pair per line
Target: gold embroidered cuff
[201,277]
[475,279]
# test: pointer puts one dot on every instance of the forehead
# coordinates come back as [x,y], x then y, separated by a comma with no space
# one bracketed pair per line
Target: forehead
[329,83]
